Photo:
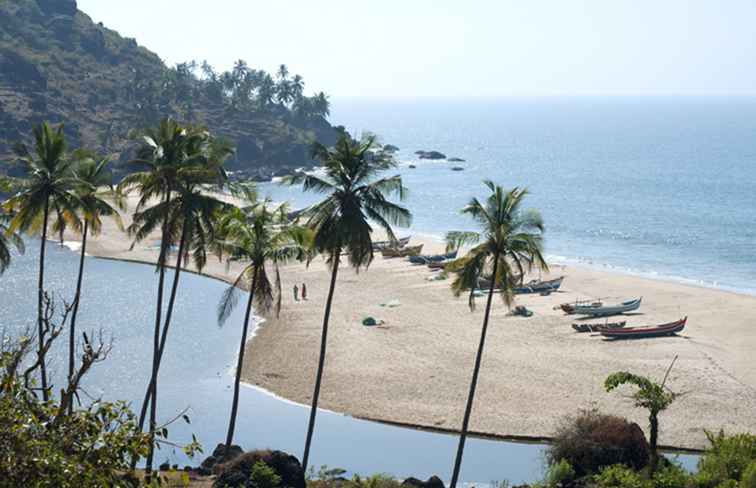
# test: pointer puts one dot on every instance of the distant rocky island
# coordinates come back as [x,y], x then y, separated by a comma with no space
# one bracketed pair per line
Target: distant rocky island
[56,64]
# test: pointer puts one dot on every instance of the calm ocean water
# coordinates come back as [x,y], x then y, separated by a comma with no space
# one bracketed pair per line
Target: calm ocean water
[659,186]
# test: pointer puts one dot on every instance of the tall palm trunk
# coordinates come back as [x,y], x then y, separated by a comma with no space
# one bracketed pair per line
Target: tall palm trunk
[75,311]
[40,301]
[474,382]
[654,461]
[321,362]
[240,363]
[158,320]
[152,388]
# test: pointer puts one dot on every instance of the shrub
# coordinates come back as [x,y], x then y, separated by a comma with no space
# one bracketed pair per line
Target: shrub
[592,440]
[749,476]
[671,476]
[619,476]
[728,458]
[263,476]
[560,474]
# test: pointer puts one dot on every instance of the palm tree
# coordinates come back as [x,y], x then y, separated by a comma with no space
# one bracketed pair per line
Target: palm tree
[46,188]
[512,243]
[342,221]
[259,235]
[8,240]
[321,105]
[297,87]
[90,180]
[192,163]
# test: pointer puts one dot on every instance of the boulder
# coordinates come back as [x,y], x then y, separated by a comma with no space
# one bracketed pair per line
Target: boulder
[456,160]
[432,482]
[430,155]
[286,466]
[390,148]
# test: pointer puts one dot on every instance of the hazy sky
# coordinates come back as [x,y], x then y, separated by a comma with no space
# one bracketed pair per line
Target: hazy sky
[460,47]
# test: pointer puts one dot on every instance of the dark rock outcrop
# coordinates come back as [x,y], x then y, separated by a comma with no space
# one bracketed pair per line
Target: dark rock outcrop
[390,148]
[430,155]
[236,473]
[432,482]
[456,160]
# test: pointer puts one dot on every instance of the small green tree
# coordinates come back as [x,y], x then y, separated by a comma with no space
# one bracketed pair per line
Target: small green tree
[652,396]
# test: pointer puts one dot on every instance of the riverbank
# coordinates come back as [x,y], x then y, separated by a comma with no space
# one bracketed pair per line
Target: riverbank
[415,369]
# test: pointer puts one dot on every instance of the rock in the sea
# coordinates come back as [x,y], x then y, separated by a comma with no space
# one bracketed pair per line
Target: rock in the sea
[432,482]
[458,168]
[390,148]
[236,473]
[430,155]
[456,160]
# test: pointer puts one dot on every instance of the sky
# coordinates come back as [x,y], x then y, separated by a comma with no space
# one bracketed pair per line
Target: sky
[388,48]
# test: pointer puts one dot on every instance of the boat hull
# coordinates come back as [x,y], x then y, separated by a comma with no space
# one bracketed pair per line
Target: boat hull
[671,328]
[602,311]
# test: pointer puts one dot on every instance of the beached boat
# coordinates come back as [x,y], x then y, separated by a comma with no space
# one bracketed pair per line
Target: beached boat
[643,332]
[403,252]
[534,286]
[598,327]
[439,264]
[600,310]
[380,245]
[539,286]
[432,258]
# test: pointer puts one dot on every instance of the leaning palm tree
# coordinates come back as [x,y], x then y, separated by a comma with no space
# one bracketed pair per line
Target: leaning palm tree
[258,235]
[92,186]
[186,216]
[342,222]
[45,189]
[7,241]
[512,244]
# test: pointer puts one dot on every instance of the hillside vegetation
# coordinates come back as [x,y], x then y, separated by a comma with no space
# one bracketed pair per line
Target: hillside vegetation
[56,64]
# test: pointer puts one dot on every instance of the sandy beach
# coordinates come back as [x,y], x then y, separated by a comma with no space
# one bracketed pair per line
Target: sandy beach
[415,368]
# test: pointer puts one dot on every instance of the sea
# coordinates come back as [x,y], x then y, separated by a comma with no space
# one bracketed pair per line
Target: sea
[663,187]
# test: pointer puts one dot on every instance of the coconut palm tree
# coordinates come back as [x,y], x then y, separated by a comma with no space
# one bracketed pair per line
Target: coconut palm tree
[7,241]
[46,189]
[186,217]
[92,186]
[512,243]
[259,235]
[342,221]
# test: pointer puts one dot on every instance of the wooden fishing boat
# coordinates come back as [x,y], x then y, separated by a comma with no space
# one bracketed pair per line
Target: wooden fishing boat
[432,258]
[380,245]
[598,327]
[600,310]
[644,332]
[538,286]
[403,252]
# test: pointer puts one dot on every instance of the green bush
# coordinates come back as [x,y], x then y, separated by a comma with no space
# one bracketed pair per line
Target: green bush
[593,440]
[619,476]
[727,459]
[263,476]
[749,476]
[560,474]
[671,476]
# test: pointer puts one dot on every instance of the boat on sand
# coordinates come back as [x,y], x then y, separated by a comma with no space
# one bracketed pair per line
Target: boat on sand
[598,327]
[601,310]
[402,252]
[671,328]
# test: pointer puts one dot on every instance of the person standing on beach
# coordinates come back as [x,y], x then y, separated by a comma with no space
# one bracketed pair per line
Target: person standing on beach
[296,293]
[304,291]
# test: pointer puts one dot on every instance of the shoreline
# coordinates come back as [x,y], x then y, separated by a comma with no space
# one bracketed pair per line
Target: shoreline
[389,387]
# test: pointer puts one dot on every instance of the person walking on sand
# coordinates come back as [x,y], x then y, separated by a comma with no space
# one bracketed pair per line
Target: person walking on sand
[304,291]
[296,293]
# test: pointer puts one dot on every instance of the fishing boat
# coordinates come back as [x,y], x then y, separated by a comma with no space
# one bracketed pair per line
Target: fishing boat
[598,327]
[600,310]
[403,252]
[432,258]
[643,332]
[539,286]
[380,245]
[534,286]
[439,264]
